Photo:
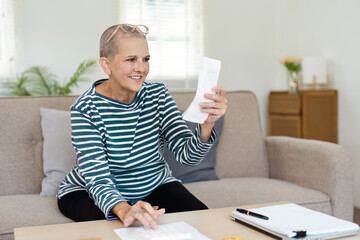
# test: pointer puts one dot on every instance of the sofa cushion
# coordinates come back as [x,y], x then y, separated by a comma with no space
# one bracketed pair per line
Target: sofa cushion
[205,170]
[21,141]
[244,146]
[248,191]
[36,211]
[243,153]
[58,152]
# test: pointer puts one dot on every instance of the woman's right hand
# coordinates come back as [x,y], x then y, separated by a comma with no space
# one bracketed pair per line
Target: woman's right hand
[141,211]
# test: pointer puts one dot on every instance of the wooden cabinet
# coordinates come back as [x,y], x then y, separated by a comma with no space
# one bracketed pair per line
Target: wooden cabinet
[312,114]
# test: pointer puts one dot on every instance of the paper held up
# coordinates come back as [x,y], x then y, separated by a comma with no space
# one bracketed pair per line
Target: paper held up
[207,79]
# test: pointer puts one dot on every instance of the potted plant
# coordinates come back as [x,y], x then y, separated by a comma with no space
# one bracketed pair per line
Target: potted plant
[293,65]
[38,80]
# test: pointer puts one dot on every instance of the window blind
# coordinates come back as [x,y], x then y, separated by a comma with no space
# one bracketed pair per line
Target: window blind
[175,37]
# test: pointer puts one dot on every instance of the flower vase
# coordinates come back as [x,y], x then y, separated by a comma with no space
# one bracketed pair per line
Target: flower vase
[294,82]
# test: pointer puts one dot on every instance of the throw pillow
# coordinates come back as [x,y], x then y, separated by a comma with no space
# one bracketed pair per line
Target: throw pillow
[205,171]
[58,153]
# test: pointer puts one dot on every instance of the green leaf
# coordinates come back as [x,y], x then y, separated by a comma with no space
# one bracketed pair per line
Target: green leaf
[85,67]
[18,88]
[42,80]
[293,67]
[38,80]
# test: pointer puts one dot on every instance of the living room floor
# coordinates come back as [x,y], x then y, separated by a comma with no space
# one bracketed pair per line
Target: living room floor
[357,215]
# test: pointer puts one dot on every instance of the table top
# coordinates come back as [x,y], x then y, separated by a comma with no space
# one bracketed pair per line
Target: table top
[213,223]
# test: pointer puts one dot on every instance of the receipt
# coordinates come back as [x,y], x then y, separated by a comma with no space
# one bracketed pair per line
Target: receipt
[207,79]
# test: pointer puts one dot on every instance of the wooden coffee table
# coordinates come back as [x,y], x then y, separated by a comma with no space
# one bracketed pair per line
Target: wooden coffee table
[213,223]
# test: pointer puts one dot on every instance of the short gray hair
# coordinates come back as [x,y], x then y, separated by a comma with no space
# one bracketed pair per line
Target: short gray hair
[111,48]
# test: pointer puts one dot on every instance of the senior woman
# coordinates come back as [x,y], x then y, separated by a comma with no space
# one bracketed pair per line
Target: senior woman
[119,129]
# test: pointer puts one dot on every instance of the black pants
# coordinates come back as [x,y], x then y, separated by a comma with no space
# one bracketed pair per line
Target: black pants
[173,196]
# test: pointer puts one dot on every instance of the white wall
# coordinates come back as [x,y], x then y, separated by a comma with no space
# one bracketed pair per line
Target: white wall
[243,34]
[61,34]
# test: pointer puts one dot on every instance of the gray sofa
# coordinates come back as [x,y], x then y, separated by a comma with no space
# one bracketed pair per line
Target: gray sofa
[252,168]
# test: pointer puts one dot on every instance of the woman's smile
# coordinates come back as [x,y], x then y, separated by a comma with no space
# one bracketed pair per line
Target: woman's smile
[136,78]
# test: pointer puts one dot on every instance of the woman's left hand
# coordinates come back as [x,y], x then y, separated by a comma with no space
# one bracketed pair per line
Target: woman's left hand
[216,110]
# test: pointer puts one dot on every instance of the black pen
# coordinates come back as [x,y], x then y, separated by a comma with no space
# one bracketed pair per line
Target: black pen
[247,212]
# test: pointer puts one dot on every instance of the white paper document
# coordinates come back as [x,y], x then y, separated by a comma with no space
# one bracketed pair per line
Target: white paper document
[287,219]
[171,231]
[207,79]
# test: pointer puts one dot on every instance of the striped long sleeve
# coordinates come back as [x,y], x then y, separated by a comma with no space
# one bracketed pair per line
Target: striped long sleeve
[118,145]
[188,149]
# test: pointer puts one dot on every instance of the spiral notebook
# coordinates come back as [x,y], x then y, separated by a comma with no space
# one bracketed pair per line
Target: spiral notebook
[291,221]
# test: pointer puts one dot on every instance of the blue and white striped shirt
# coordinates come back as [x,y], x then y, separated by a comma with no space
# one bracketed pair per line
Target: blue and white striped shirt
[119,146]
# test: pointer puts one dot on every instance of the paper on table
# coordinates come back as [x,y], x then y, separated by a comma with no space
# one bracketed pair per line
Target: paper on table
[182,227]
[207,79]
[287,218]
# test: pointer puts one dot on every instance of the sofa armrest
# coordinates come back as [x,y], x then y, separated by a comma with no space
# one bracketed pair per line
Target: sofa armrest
[318,165]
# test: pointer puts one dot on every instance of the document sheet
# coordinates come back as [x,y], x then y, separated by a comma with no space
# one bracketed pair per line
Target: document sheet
[164,231]
[287,219]
[207,79]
